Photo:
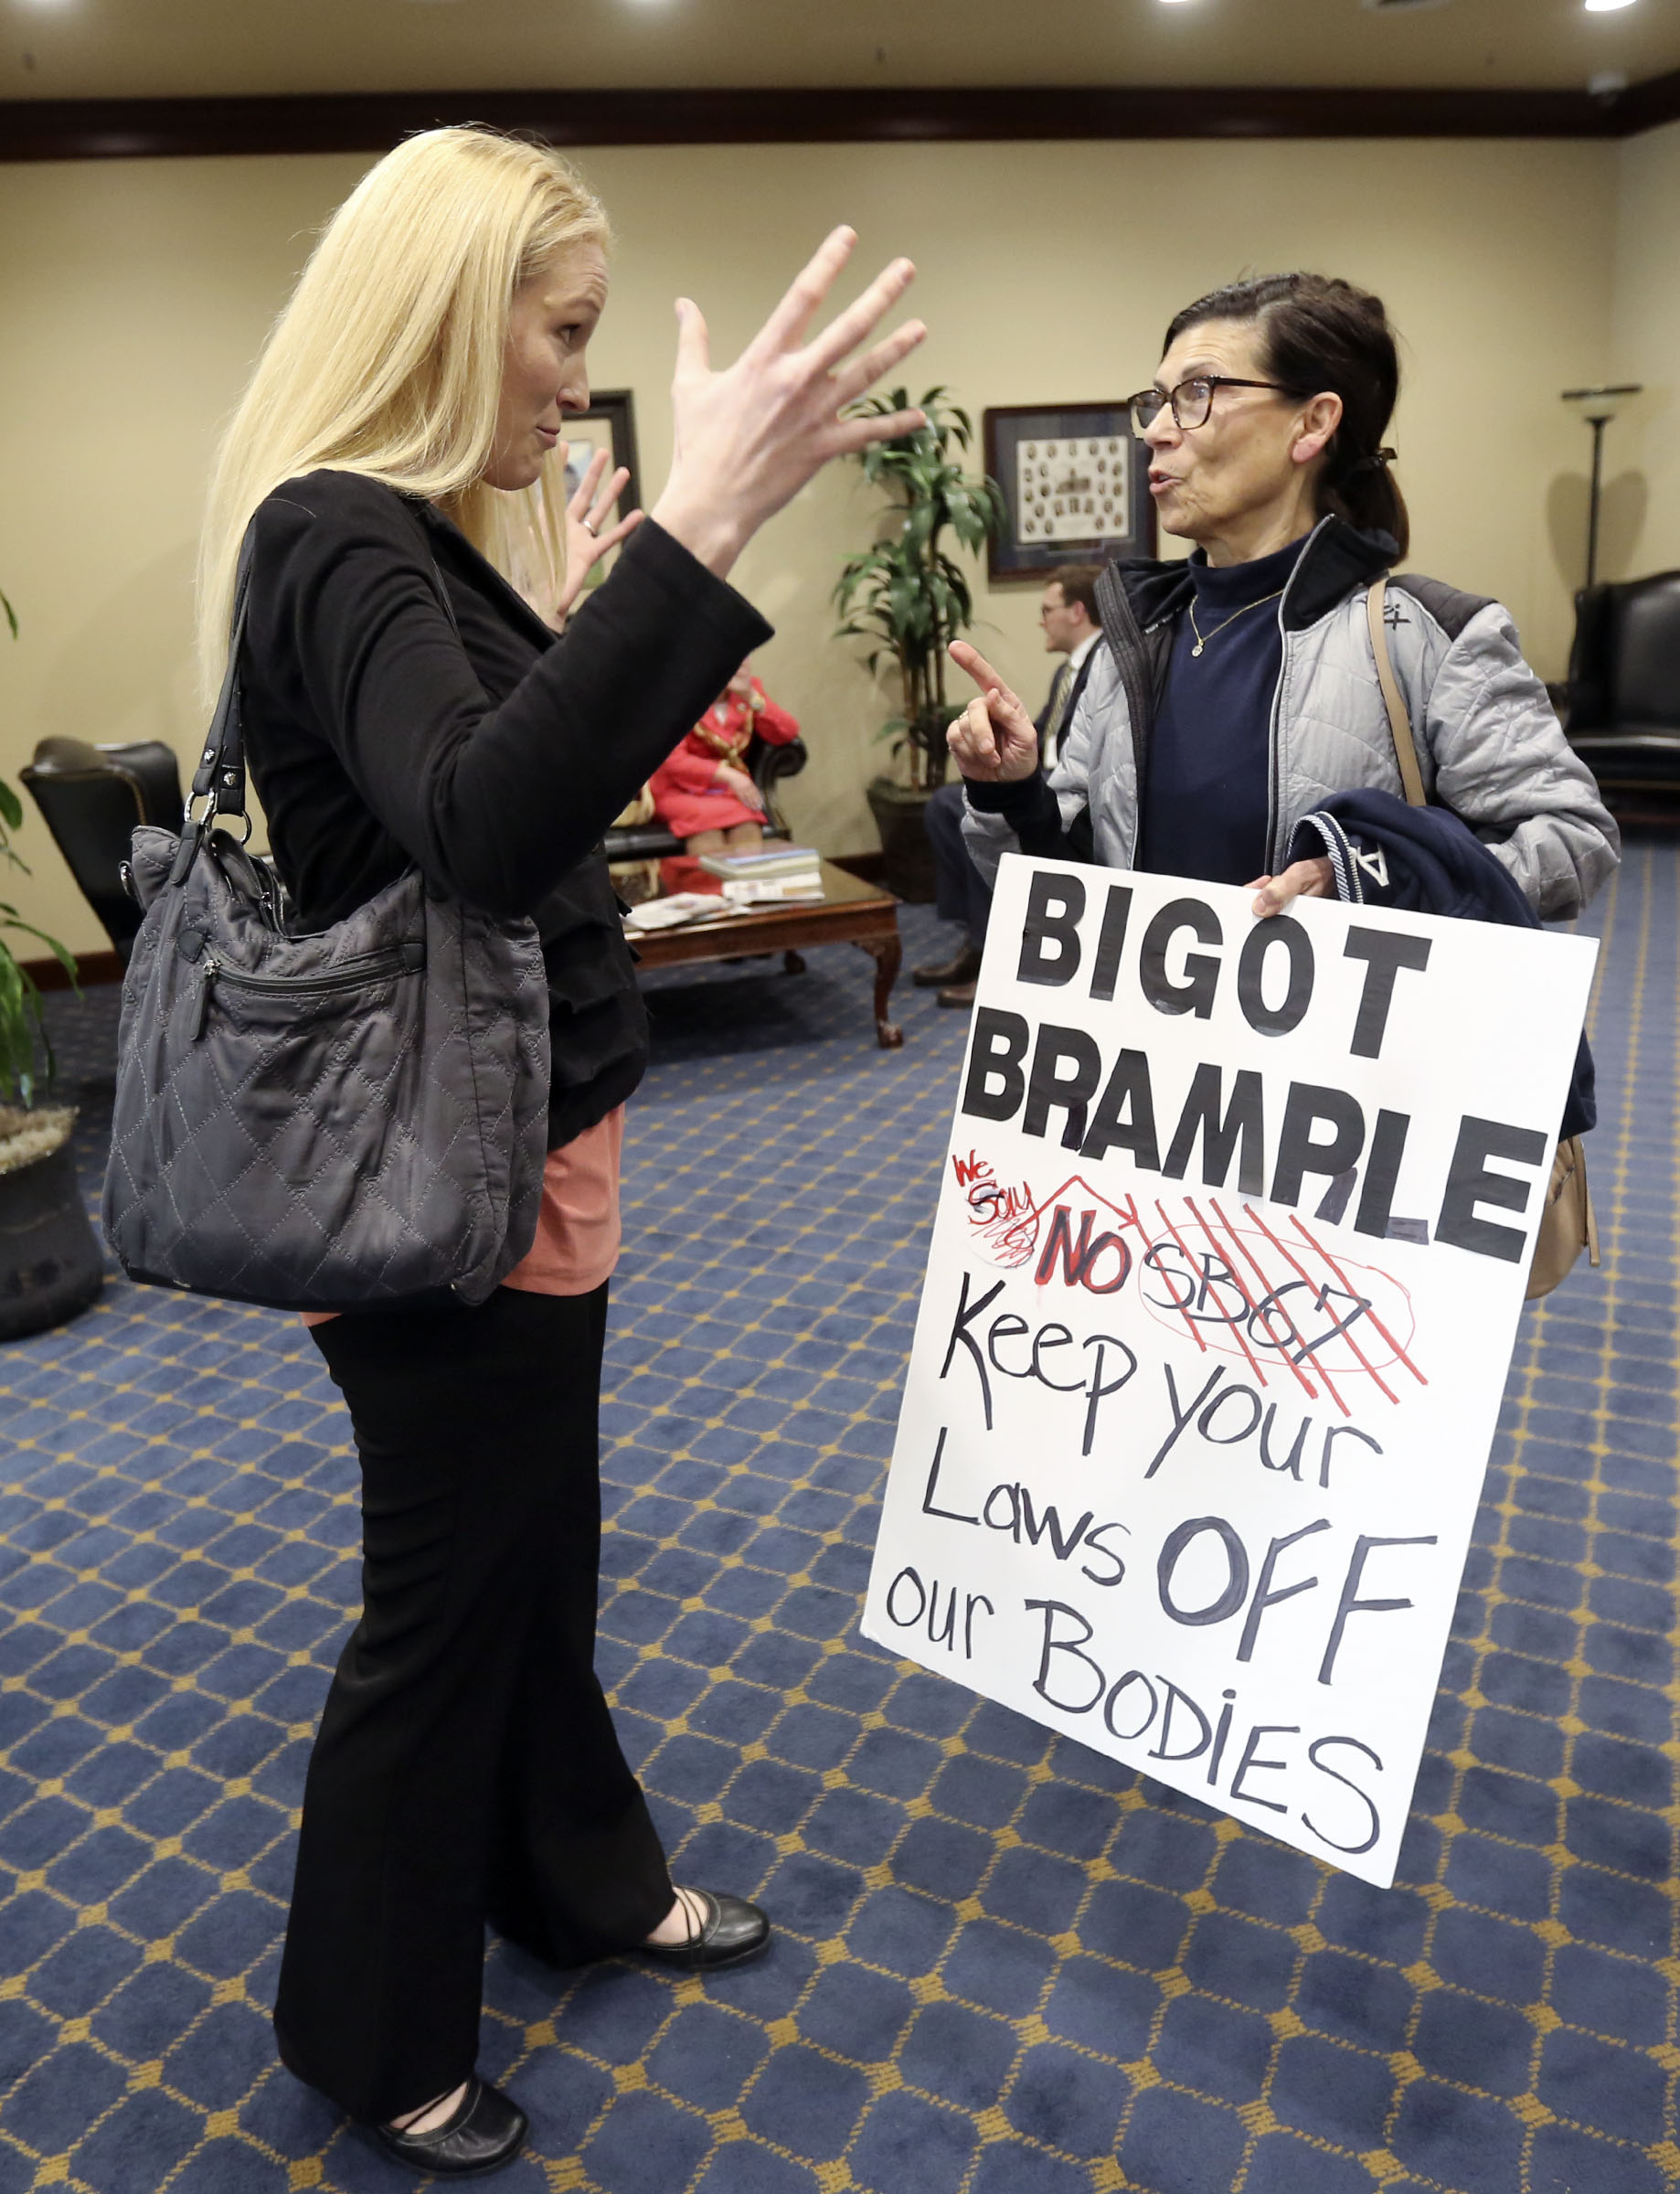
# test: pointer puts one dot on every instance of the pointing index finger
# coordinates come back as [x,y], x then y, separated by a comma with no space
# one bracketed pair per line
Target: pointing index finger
[970,660]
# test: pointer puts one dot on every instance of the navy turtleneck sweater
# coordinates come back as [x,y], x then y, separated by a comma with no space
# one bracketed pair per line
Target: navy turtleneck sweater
[1206,786]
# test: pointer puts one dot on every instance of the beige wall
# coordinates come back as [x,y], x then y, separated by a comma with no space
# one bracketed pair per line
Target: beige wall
[1641,456]
[136,294]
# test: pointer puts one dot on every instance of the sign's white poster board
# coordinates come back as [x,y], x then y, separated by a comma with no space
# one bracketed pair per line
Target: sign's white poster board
[1225,1278]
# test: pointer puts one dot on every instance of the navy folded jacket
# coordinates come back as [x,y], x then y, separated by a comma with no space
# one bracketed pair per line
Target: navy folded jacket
[1423,861]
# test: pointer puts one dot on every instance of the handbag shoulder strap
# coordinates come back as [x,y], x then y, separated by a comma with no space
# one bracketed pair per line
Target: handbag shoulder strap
[221,766]
[1400,720]
[220,774]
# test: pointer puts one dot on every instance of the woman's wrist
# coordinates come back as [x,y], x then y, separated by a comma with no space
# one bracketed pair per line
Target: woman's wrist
[712,537]
[1008,796]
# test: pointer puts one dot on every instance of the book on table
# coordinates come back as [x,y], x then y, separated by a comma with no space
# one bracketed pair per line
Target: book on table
[744,893]
[768,863]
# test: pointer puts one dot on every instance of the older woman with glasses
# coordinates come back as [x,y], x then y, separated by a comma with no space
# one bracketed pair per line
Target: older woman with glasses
[1237,691]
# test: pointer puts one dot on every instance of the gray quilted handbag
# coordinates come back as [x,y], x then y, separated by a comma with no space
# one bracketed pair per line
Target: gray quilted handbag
[334,1121]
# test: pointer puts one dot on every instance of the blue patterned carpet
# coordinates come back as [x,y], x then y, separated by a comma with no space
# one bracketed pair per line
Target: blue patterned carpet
[1003,1965]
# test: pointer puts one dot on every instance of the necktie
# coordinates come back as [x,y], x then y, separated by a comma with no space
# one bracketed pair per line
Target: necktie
[1053,714]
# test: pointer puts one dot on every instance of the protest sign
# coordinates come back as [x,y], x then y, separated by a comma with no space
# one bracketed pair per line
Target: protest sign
[1229,1253]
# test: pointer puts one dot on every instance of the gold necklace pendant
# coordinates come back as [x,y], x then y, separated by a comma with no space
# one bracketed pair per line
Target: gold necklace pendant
[1203,638]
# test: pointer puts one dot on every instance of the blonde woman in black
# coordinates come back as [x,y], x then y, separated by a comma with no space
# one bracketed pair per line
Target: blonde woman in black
[466,1771]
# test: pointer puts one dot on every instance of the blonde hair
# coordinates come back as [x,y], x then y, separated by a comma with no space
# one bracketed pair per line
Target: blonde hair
[388,360]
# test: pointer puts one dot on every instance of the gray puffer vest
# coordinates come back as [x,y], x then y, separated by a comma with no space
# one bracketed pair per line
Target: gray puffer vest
[1488,739]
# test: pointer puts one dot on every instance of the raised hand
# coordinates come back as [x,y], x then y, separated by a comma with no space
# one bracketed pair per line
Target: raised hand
[994,741]
[749,438]
[586,514]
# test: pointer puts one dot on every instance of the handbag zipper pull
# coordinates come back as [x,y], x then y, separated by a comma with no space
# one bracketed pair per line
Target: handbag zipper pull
[207,976]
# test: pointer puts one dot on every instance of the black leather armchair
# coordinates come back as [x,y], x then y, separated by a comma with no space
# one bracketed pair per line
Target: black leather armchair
[766,764]
[92,798]
[1620,708]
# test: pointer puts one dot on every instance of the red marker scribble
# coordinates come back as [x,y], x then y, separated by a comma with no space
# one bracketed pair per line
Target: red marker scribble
[1236,1278]
[1260,1274]
[1003,1219]
[1370,1310]
[1297,1312]
[1196,1331]
[1296,1266]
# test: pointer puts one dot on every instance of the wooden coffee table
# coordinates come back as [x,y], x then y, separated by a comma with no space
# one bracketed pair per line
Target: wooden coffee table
[850,912]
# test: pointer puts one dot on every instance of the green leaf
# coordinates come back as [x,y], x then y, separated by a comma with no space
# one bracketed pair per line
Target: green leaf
[48,1057]
[11,806]
[65,959]
[23,1023]
[9,613]
[16,1035]
[908,588]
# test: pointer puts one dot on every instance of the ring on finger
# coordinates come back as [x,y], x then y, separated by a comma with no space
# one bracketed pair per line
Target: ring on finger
[588,527]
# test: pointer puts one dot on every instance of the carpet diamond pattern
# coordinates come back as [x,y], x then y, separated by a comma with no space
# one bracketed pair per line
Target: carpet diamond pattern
[1004,1965]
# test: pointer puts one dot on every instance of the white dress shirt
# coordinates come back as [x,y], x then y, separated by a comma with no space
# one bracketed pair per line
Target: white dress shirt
[1076,663]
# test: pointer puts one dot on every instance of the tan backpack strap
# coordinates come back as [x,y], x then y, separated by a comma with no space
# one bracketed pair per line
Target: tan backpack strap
[1399,721]
[1592,1217]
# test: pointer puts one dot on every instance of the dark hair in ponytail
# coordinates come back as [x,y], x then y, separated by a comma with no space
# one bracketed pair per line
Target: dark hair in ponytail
[1316,334]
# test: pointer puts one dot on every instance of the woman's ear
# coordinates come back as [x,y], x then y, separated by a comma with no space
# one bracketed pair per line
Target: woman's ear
[1319,421]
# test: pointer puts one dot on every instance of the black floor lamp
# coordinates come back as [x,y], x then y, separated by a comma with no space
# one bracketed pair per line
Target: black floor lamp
[1598,407]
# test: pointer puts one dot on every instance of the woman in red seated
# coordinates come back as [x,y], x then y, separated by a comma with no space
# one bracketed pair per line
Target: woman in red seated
[703,792]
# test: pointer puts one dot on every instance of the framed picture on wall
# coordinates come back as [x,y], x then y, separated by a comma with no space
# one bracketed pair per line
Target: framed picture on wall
[609,424]
[1076,488]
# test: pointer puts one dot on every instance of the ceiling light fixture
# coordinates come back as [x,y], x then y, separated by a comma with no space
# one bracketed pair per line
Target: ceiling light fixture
[1605,7]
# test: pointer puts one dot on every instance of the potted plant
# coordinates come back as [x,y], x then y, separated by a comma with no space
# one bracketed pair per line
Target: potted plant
[909,596]
[49,1260]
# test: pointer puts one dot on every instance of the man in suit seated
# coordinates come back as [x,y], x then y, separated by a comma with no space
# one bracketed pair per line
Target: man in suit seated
[1072,630]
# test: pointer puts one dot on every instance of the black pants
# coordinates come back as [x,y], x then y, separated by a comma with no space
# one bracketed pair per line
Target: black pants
[466,1769]
[960,892]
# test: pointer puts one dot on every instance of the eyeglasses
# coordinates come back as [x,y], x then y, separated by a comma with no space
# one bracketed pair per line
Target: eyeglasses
[1192,401]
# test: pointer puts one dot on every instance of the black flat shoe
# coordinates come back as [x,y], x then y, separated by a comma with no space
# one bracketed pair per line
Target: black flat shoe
[487,2132]
[731,1931]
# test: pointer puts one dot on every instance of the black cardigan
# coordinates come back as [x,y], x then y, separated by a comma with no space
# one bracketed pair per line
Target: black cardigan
[495,760]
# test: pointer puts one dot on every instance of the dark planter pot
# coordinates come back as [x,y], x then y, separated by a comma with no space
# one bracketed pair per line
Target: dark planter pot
[899,816]
[50,1266]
